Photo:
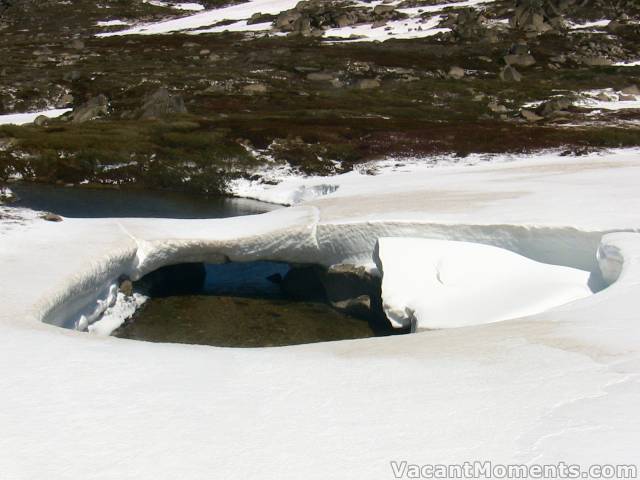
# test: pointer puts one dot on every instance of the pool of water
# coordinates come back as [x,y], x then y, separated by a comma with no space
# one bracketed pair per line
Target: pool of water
[239,321]
[81,202]
[233,305]
[239,305]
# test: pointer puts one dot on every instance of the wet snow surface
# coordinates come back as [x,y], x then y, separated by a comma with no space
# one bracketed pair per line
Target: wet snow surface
[561,385]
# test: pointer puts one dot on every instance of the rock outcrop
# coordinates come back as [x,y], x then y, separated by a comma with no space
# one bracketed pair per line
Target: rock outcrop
[162,103]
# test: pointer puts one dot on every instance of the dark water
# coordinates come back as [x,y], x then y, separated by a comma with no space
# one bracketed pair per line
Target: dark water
[240,305]
[78,202]
[232,321]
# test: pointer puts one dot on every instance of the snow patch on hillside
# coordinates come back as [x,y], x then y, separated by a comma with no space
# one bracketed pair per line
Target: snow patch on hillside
[608,99]
[24,118]
[415,26]
[242,11]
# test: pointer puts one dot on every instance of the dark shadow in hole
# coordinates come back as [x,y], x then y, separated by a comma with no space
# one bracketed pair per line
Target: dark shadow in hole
[258,304]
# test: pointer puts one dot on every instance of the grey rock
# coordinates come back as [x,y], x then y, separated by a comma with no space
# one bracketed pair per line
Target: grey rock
[383,9]
[162,103]
[96,107]
[596,61]
[631,90]
[520,60]
[51,217]
[368,84]
[76,44]
[255,89]
[530,116]
[41,120]
[497,108]
[320,77]
[510,74]
[456,73]
[552,107]
[126,287]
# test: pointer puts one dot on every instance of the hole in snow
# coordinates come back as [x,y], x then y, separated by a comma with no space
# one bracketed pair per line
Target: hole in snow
[256,304]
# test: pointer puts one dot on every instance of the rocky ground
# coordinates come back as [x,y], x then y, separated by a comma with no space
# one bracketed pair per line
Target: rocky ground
[192,112]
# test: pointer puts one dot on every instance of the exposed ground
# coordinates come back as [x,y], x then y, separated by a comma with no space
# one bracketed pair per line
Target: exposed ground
[232,102]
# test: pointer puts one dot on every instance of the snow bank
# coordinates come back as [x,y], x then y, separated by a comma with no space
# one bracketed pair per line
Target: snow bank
[542,208]
[563,385]
[608,99]
[6,195]
[112,23]
[205,22]
[115,315]
[23,118]
[442,284]
[242,11]
[187,6]
[397,29]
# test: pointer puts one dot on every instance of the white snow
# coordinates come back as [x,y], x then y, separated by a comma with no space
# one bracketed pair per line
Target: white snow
[241,26]
[23,118]
[591,100]
[562,385]
[188,6]
[205,21]
[242,11]
[627,64]
[112,23]
[431,284]
[589,25]
[398,29]
[429,8]
[122,309]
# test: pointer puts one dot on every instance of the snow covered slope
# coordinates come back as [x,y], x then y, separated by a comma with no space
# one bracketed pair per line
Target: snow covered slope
[241,11]
[558,386]
[414,26]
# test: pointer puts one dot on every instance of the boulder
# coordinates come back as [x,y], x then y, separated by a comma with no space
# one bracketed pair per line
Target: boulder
[320,77]
[355,291]
[368,84]
[530,116]
[383,9]
[96,107]
[596,61]
[510,74]
[456,73]
[76,44]
[495,107]
[552,107]
[255,89]
[41,120]
[51,217]
[160,104]
[631,90]
[520,60]
[126,287]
